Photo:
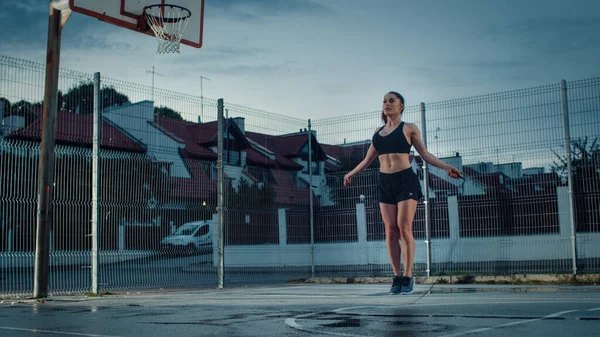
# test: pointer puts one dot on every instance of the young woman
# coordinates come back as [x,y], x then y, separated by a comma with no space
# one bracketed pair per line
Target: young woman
[399,187]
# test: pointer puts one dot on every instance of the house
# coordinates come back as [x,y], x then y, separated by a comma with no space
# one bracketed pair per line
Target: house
[188,149]
[191,150]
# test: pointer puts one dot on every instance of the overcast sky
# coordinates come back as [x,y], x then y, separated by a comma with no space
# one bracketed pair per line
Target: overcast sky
[322,58]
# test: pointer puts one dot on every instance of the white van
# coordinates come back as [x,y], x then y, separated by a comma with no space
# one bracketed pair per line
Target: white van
[191,237]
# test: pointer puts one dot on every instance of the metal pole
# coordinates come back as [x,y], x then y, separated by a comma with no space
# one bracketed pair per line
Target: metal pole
[202,97]
[96,181]
[152,84]
[426,194]
[570,178]
[310,191]
[220,189]
[153,73]
[46,161]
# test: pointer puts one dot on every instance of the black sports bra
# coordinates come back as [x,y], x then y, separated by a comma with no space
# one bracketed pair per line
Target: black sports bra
[394,142]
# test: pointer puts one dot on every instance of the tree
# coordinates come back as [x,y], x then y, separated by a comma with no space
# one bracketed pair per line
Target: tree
[251,215]
[81,98]
[249,196]
[5,105]
[167,113]
[585,163]
[21,108]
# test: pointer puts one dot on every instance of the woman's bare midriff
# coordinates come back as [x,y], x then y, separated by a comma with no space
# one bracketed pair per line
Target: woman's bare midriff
[393,162]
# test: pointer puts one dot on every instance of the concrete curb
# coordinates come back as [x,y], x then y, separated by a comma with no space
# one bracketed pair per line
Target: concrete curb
[517,279]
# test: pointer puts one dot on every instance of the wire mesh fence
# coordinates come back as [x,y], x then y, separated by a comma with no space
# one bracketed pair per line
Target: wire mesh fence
[528,187]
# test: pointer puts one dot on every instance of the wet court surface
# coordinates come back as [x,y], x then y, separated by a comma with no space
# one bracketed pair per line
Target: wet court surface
[314,310]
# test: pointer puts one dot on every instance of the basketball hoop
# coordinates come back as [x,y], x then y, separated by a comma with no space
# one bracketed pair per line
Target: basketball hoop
[168,22]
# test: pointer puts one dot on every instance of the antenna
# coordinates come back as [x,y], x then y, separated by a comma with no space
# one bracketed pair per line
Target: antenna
[202,96]
[153,73]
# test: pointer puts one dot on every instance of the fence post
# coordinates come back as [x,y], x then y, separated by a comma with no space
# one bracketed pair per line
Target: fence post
[565,105]
[220,190]
[45,190]
[9,241]
[426,194]
[310,190]
[95,181]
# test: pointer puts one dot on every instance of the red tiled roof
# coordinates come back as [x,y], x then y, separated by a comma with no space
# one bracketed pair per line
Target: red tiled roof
[338,151]
[203,133]
[199,151]
[275,144]
[189,133]
[199,187]
[166,131]
[253,157]
[76,129]
[287,192]
[289,145]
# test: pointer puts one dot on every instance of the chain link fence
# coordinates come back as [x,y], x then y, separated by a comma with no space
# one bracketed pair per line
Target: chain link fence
[139,179]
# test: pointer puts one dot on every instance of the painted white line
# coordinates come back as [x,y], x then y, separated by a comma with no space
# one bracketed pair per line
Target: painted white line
[300,296]
[54,332]
[387,305]
[556,314]
[350,308]
[291,322]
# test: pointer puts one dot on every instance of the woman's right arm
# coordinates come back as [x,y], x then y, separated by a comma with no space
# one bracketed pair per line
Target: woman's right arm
[371,155]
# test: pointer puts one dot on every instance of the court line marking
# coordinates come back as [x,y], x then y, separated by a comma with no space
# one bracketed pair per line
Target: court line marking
[54,332]
[556,314]
[291,321]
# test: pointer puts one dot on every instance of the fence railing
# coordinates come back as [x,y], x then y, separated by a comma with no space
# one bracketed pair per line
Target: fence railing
[528,203]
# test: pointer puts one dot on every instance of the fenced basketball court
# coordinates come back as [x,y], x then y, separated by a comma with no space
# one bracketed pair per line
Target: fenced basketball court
[160,189]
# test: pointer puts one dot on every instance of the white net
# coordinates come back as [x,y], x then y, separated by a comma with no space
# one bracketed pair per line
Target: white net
[168,22]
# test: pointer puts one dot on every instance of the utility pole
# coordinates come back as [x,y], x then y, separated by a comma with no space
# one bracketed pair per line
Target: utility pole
[153,73]
[58,15]
[202,97]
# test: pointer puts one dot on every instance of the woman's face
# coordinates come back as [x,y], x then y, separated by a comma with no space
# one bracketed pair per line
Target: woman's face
[392,105]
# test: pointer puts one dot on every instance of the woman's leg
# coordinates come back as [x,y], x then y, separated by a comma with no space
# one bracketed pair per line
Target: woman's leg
[392,235]
[406,214]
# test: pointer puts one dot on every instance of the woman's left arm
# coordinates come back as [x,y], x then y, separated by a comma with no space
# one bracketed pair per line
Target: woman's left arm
[419,145]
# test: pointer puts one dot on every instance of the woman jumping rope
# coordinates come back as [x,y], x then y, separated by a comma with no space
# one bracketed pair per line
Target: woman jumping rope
[399,187]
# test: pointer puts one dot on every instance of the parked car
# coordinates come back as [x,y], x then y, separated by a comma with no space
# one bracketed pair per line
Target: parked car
[190,238]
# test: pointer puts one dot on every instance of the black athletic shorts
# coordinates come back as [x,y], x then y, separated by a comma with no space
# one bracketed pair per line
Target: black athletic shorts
[399,186]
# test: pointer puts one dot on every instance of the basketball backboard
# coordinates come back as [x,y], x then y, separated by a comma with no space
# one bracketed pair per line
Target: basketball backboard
[128,14]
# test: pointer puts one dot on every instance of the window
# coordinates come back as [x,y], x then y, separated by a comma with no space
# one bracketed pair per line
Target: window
[315,168]
[203,230]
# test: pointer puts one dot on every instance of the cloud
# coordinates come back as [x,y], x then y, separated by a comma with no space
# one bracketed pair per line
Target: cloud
[492,65]
[28,6]
[25,26]
[24,23]
[445,75]
[221,54]
[548,34]
[255,9]
[241,70]
[97,42]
